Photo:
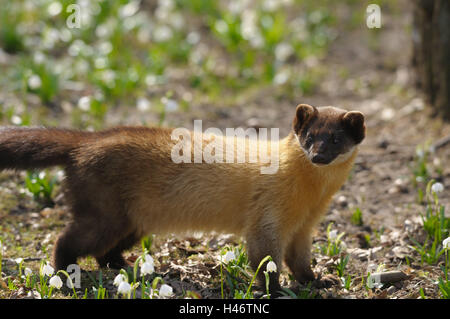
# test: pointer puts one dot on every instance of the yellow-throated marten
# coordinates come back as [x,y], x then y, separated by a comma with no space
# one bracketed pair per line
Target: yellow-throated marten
[122,184]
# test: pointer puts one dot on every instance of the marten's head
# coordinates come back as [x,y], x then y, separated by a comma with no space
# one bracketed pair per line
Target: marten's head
[328,134]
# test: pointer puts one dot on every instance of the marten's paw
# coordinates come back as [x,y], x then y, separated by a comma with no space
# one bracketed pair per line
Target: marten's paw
[326,281]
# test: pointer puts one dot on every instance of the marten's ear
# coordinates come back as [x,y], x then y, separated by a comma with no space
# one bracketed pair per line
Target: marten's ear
[303,114]
[354,123]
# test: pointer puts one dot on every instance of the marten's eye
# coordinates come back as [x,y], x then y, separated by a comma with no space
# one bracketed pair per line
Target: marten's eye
[336,139]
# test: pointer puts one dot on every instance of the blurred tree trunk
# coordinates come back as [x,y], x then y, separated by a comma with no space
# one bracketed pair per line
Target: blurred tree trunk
[431,56]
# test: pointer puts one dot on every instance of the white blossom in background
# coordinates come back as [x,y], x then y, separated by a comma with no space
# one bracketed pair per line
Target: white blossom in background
[34,82]
[271,267]
[143,104]
[27,271]
[84,103]
[283,51]
[18,260]
[229,256]
[130,9]
[38,57]
[437,188]
[162,33]
[193,37]
[55,282]
[249,29]
[47,270]
[281,77]
[446,243]
[16,120]
[54,8]
[169,104]
[332,234]
[165,291]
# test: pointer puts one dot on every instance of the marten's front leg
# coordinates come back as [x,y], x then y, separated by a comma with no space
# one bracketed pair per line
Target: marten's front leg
[298,256]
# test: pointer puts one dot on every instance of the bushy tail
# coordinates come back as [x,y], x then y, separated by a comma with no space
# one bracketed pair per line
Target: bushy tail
[26,148]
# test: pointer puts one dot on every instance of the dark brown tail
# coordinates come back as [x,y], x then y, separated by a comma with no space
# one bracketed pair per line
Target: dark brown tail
[26,148]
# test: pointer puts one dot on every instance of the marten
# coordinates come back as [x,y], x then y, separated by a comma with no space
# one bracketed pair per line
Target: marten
[122,184]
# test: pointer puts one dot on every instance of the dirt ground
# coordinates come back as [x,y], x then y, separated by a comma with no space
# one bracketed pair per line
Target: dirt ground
[368,73]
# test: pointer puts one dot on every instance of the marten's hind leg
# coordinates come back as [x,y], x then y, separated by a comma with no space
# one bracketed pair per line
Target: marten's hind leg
[113,258]
[94,231]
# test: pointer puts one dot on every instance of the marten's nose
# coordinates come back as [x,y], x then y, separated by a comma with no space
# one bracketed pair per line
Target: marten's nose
[319,159]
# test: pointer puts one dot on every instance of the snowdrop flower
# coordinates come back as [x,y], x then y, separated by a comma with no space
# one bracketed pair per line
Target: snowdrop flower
[281,77]
[124,288]
[148,259]
[420,153]
[271,267]
[47,270]
[129,9]
[54,8]
[374,281]
[147,268]
[446,243]
[229,256]
[119,279]
[283,51]
[34,82]
[56,282]
[18,260]
[162,33]
[165,291]
[437,188]
[169,104]
[84,103]
[28,272]
[143,104]
[332,234]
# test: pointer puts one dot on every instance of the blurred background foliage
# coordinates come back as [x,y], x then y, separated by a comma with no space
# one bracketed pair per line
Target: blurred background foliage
[133,53]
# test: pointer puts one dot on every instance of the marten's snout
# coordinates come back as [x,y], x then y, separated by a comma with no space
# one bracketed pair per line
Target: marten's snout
[319,159]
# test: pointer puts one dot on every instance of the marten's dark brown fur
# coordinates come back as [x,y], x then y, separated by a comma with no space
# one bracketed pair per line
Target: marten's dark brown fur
[122,184]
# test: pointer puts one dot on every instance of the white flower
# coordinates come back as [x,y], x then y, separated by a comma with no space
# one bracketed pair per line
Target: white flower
[148,259]
[84,103]
[54,8]
[281,77]
[28,271]
[18,260]
[437,188]
[129,9]
[124,288]
[34,82]
[271,267]
[165,291]
[143,104]
[169,104]
[374,281]
[119,279]
[283,51]
[162,33]
[56,282]
[332,234]
[147,268]
[229,256]
[446,243]
[47,270]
